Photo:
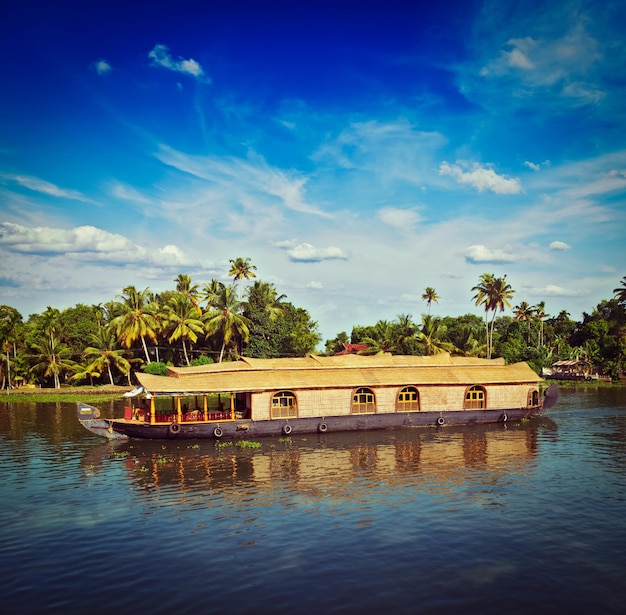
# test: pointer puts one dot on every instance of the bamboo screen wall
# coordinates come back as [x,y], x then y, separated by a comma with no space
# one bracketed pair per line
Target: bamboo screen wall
[333,402]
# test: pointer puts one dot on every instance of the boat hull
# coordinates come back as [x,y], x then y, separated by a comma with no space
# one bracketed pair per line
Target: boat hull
[243,429]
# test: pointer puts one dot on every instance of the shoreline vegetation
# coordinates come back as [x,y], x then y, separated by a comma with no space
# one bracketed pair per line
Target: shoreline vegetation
[105,344]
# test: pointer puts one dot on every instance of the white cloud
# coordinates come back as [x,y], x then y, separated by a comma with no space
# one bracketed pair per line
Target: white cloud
[172,254]
[560,245]
[308,253]
[481,178]
[102,67]
[482,254]
[552,290]
[161,56]
[536,166]
[84,243]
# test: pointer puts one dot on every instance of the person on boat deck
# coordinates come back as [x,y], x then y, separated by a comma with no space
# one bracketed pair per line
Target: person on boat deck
[144,408]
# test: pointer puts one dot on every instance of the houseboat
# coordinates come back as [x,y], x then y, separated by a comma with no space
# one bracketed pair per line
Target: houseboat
[572,370]
[279,397]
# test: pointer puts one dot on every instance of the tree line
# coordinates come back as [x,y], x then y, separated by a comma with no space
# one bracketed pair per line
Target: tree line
[529,334]
[191,325]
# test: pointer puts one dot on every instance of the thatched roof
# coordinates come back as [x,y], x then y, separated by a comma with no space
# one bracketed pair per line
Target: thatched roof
[345,371]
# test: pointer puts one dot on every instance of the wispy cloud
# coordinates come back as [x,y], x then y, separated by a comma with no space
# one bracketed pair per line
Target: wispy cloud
[402,219]
[559,246]
[481,178]
[552,290]
[42,186]
[561,63]
[243,180]
[161,56]
[404,151]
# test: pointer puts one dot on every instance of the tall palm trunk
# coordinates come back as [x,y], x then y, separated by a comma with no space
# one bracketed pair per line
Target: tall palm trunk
[145,348]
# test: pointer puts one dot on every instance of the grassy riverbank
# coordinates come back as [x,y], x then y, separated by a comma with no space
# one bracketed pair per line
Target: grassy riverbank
[65,394]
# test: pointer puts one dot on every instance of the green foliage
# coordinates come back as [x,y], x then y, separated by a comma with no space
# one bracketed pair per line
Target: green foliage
[78,324]
[155,368]
[248,444]
[276,328]
[202,360]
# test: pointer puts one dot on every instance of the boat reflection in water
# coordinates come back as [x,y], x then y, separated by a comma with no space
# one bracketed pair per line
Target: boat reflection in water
[324,463]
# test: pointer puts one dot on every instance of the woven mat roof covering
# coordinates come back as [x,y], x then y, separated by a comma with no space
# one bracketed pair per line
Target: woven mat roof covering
[346,371]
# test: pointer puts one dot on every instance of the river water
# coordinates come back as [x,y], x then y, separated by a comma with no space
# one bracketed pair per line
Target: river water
[515,518]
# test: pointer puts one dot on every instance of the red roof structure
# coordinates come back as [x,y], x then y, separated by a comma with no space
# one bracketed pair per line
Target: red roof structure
[351,349]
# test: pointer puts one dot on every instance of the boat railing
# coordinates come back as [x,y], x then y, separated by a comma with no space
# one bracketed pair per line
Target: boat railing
[188,417]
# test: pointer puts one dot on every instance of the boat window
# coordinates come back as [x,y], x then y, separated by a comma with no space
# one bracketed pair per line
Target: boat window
[363,401]
[475,398]
[408,400]
[284,405]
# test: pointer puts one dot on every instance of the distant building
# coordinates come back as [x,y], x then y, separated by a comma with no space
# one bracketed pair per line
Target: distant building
[352,349]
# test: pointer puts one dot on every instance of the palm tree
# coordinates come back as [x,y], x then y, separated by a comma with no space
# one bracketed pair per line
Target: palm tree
[185,287]
[225,318]
[540,315]
[405,333]
[495,294]
[53,359]
[620,292]
[430,295]
[103,354]
[431,335]
[483,297]
[524,313]
[10,321]
[241,268]
[183,321]
[467,343]
[382,339]
[212,292]
[137,320]
[81,372]
[501,296]
[50,322]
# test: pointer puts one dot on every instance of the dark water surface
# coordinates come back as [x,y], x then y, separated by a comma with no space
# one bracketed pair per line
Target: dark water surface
[524,519]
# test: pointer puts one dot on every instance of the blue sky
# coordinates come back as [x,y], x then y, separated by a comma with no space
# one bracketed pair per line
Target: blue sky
[355,152]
